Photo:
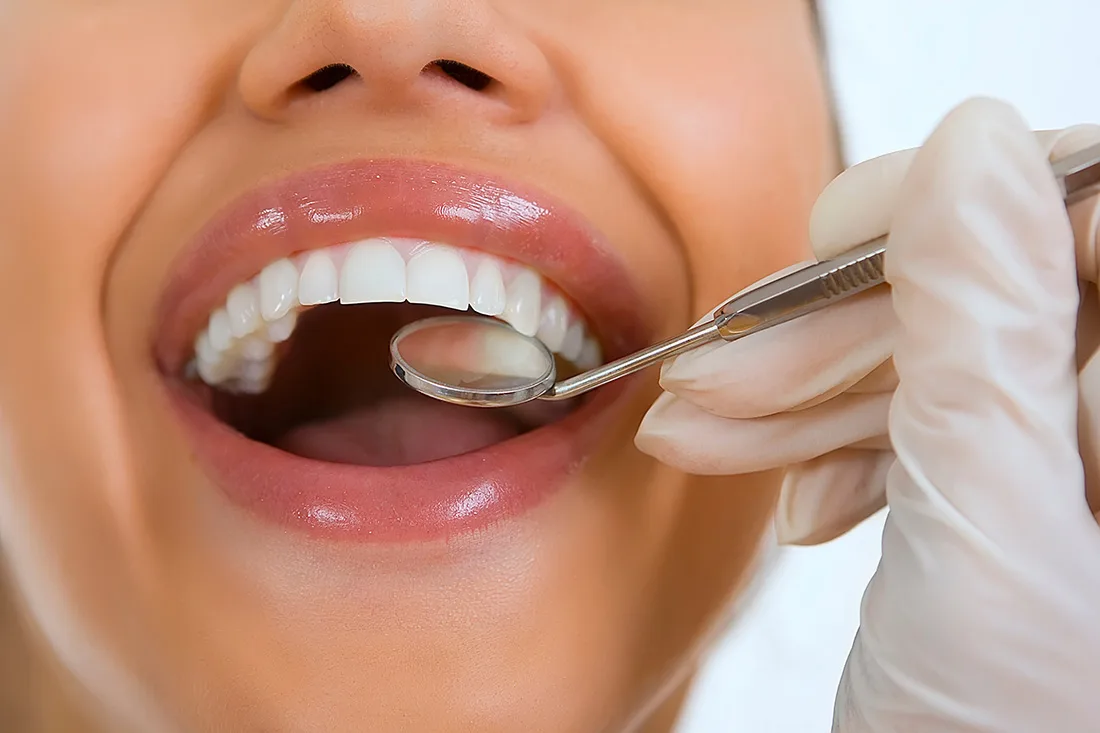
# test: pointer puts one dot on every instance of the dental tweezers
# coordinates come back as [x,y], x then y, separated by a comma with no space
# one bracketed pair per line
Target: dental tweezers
[804,291]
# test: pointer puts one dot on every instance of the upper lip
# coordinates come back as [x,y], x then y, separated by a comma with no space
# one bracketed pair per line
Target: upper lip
[400,198]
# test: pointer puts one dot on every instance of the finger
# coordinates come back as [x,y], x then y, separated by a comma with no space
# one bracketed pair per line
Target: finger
[680,434]
[858,205]
[883,379]
[1066,141]
[1084,215]
[1088,391]
[1088,429]
[795,364]
[823,498]
[983,268]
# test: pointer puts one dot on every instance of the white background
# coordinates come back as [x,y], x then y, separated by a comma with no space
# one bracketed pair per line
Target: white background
[898,66]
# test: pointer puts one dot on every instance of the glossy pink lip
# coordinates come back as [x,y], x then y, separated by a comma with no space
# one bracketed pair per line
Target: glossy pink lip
[398,198]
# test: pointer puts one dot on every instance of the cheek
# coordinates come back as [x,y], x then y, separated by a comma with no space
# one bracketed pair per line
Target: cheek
[722,114]
[94,100]
[745,204]
[97,103]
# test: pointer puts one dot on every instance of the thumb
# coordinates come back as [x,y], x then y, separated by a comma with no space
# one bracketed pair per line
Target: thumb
[989,541]
[983,270]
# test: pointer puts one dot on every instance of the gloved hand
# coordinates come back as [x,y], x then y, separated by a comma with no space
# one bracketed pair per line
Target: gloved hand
[982,615]
[813,394]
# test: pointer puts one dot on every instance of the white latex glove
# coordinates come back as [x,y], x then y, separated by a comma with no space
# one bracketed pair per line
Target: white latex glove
[983,613]
[813,394]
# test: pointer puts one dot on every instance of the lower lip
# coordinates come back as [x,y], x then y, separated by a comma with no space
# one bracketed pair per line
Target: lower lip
[429,501]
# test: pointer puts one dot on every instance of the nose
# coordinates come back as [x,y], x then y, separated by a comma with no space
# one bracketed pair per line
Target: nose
[393,54]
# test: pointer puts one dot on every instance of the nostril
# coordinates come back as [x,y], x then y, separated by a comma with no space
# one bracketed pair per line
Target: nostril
[327,77]
[465,75]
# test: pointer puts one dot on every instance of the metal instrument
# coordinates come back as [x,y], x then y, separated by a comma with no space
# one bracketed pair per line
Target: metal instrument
[485,363]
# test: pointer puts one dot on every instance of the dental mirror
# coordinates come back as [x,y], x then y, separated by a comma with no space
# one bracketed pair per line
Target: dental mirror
[485,363]
[471,361]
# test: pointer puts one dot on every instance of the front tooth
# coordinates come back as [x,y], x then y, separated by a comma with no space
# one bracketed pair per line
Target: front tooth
[280,330]
[487,294]
[524,305]
[554,324]
[243,307]
[319,282]
[374,272]
[574,342]
[590,356]
[221,335]
[278,289]
[437,276]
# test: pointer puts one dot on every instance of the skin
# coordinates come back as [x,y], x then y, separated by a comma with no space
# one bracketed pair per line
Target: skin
[692,133]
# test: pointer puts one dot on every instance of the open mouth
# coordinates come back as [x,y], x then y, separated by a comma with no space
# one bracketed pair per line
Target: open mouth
[297,357]
[275,332]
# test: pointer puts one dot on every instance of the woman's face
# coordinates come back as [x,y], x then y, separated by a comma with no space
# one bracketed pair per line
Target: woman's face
[311,548]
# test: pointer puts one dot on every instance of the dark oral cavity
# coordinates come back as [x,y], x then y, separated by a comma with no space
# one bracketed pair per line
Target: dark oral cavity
[334,399]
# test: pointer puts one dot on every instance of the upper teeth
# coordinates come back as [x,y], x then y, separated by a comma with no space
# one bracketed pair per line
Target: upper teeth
[236,349]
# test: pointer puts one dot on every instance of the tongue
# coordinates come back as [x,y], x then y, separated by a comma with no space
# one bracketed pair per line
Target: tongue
[399,432]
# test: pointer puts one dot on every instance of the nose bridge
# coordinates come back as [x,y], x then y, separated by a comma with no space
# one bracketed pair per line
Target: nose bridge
[385,47]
